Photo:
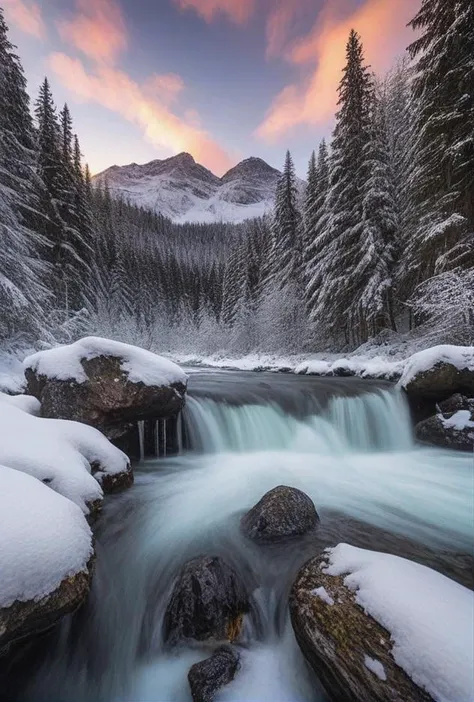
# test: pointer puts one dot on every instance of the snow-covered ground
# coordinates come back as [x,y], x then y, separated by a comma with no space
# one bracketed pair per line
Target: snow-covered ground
[430,617]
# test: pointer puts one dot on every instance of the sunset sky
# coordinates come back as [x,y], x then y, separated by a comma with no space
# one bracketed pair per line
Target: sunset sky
[222,79]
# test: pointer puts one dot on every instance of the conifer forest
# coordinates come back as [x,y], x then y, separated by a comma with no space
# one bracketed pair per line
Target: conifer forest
[378,244]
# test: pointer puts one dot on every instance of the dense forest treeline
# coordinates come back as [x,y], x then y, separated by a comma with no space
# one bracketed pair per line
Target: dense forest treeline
[382,243]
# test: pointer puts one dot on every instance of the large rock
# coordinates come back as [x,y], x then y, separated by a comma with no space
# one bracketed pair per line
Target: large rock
[283,513]
[23,620]
[46,556]
[439,372]
[106,384]
[207,603]
[455,431]
[208,677]
[349,651]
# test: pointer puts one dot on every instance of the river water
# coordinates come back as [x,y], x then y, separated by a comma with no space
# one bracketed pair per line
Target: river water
[347,443]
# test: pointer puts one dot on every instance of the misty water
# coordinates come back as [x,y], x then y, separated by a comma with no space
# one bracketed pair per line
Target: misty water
[346,443]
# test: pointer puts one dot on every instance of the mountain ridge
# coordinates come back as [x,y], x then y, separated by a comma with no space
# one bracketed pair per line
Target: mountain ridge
[185,191]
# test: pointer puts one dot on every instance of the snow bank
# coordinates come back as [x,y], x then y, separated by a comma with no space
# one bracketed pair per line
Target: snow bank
[43,540]
[429,616]
[64,362]
[27,403]
[462,357]
[58,453]
[358,365]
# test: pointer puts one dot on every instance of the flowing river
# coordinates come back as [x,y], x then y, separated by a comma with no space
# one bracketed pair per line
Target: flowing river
[347,443]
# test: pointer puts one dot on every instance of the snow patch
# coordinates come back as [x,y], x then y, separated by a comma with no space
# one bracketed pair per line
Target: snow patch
[462,357]
[428,615]
[64,362]
[43,540]
[460,420]
[323,595]
[375,667]
[58,453]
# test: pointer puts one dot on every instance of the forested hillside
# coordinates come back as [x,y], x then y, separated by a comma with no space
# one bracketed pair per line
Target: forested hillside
[382,245]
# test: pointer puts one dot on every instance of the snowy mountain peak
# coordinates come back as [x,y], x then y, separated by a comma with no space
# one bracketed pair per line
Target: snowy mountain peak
[186,191]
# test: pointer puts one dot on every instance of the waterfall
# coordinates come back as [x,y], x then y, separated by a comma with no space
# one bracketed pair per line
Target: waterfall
[141,439]
[378,421]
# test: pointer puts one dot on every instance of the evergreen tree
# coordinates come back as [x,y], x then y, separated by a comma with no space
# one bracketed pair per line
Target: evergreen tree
[287,235]
[338,295]
[443,180]
[380,224]
[316,242]
[22,293]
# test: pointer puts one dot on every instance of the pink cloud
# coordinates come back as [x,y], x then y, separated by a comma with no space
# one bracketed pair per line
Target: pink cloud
[382,25]
[98,30]
[166,88]
[26,16]
[238,11]
[118,92]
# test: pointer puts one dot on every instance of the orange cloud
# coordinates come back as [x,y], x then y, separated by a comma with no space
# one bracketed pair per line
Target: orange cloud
[167,88]
[238,11]
[98,30]
[382,25]
[115,90]
[26,16]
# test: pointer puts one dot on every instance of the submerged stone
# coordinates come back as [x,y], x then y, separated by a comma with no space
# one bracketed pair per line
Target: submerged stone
[207,603]
[283,513]
[208,677]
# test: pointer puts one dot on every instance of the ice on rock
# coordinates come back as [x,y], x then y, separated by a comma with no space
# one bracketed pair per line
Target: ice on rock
[64,362]
[429,617]
[375,667]
[323,595]
[44,538]
[58,453]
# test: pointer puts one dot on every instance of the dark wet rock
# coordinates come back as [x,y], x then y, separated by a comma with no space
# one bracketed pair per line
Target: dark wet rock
[283,513]
[455,403]
[207,603]
[453,432]
[335,639]
[440,382]
[24,620]
[208,677]
[113,482]
[107,400]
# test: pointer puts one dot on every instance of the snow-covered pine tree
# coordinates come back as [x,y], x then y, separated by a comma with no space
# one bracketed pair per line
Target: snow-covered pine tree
[380,225]
[49,166]
[317,216]
[287,229]
[337,307]
[443,180]
[22,293]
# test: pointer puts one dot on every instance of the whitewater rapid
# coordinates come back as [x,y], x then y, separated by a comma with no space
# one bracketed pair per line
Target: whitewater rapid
[353,455]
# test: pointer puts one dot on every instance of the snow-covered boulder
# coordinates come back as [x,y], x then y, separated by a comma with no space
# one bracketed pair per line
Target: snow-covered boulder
[106,384]
[283,513]
[379,628]
[451,427]
[45,556]
[439,372]
[62,455]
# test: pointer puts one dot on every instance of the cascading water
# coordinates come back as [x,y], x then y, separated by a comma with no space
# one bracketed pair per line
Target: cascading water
[347,444]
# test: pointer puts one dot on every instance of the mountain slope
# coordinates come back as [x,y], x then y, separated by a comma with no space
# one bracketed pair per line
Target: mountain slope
[185,191]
